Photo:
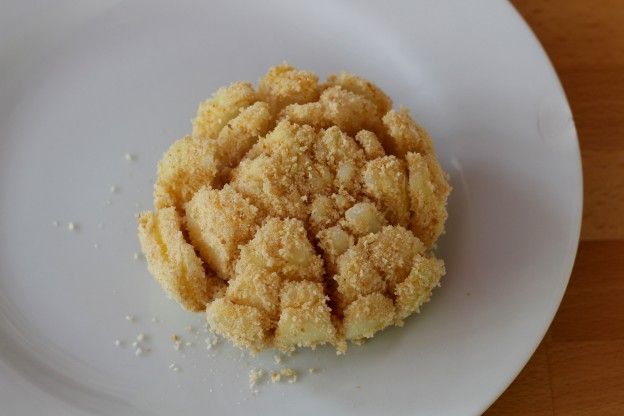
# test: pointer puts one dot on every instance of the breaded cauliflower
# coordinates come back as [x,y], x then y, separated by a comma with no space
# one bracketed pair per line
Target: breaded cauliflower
[298,214]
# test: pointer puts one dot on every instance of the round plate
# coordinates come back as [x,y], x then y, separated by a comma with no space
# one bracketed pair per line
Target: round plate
[84,83]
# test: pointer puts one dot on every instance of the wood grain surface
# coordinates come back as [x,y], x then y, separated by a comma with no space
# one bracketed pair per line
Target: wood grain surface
[579,367]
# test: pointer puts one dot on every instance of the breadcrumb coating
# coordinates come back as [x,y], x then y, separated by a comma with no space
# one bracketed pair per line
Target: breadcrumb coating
[188,165]
[363,87]
[428,191]
[300,214]
[404,134]
[284,85]
[218,222]
[385,180]
[173,262]
[217,111]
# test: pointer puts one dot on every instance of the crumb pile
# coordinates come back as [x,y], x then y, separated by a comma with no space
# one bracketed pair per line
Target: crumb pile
[299,213]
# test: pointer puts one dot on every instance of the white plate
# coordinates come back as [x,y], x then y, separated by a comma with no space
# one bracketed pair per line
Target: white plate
[82,83]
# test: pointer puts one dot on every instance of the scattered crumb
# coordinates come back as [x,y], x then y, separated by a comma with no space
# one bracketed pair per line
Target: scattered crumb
[211,342]
[188,343]
[174,367]
[118,343]
[113,189]
[55,223]
[177,342]
[130,318]
[107,202]
[277,359]
[312,370]
[129,157]
[286,373]
[140,337]
[137,256]
[71,226]
[290,374]
[155,320]
[139,351]
[275,376]
[255,376]
[135,344]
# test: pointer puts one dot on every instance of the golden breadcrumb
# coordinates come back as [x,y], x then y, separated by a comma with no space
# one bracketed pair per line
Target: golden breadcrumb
[188,165]
[337,106]
[385,180]
[404,134]
[237,137]
[305,319]
[299,214]
[367,315]
[216,112]
[362,87]
[218,222]
[370,144]
[416,289]
[173,262]
[428,191]
[284,85]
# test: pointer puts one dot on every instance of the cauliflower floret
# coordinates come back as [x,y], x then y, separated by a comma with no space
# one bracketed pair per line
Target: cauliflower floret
[173,262]
[225,104]
[218,222]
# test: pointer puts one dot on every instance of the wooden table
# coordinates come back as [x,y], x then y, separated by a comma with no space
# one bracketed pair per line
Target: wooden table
[579,367]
